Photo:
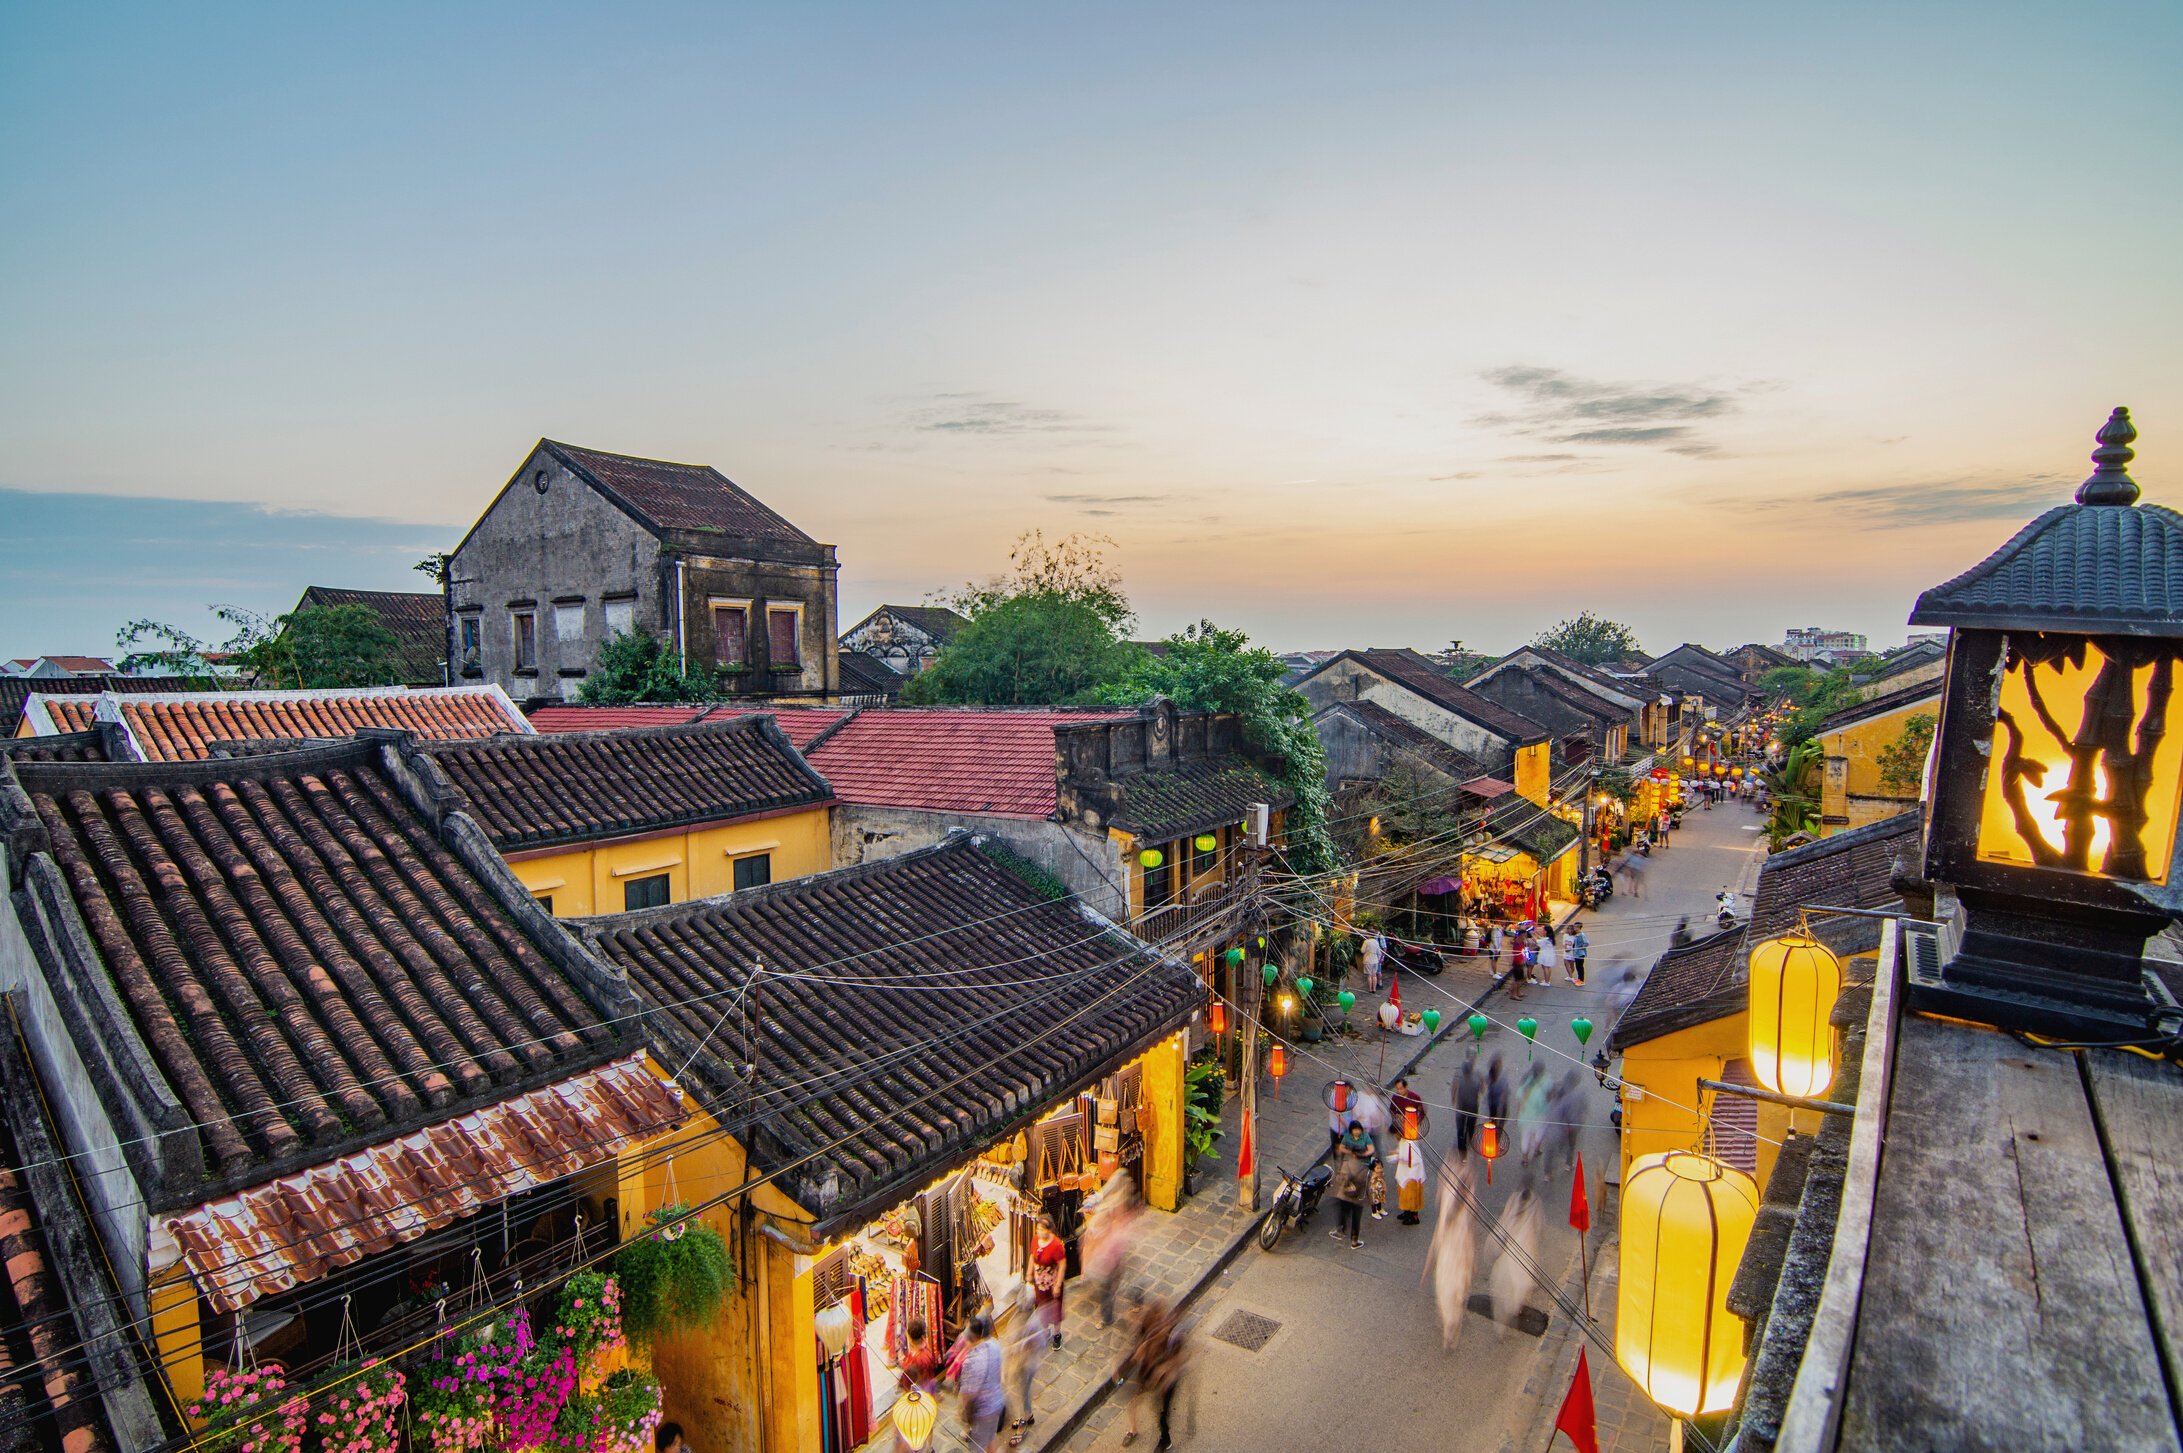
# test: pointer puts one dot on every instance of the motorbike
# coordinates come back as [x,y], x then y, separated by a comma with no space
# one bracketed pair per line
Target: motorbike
[1414,958]
[1598,886]
[1725,912]
[1295,1201]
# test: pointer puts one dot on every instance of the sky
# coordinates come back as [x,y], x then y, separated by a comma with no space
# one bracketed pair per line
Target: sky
[1364,325]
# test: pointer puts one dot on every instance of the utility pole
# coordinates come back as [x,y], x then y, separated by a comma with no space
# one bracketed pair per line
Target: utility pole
[1252,992]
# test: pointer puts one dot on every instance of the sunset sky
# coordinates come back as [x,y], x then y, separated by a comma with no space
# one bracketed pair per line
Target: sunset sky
[1349,324]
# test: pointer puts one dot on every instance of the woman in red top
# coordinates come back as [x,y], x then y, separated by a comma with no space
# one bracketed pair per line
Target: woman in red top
[919,1368]
[1049,1265]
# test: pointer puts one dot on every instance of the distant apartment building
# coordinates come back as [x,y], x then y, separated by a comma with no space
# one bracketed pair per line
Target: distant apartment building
[1809,643]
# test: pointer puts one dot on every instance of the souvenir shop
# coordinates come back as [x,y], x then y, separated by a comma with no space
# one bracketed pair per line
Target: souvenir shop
[965,1243]
[1505,882]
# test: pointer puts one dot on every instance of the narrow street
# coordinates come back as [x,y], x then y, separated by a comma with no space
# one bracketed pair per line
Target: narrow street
[1355,1350]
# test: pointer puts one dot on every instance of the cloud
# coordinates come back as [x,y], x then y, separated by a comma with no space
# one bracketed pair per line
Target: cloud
[1565,409]
[1539,458]
[1106,499]
[1945,502]
[977,414]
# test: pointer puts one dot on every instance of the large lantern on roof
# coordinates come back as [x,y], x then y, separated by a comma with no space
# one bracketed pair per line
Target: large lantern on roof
[2057,764]
[1685,1219]
[1795,980]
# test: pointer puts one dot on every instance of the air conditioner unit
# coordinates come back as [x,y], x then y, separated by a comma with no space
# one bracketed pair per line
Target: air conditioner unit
[1258,820]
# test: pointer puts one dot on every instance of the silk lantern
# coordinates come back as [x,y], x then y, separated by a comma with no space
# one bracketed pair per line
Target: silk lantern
[1412,1124]
[914,1414]
[1205,842]
[1338,1094]
[1478,1023]
[1270,973]
[1216,1018]
[1233,957]
[1794,982]
[1304,985]
[1489,1146]
[1685,1220]
[1582,1029]
[1432,1020]
[1347,1000]
[1152,857]
[833,1328]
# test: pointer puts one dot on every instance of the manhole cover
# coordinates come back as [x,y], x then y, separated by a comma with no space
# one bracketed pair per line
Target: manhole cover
[1247,1330]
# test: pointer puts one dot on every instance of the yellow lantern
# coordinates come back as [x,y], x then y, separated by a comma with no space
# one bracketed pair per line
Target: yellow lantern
[1685,1219]
[914,1415]
[1795,980]
[1152,857]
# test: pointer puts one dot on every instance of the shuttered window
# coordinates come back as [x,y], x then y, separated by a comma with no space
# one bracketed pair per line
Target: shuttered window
[731,634]
[781,638]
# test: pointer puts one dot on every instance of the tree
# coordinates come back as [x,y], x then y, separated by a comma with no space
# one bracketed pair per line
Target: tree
[1210,668]
[1050,632]
[1460,663]
[1591,639]
[1793,785]
[1902,761]
[637,666]
[435,566]
[315,648]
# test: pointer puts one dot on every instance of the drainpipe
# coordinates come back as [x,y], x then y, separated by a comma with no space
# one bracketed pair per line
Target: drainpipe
[682,612]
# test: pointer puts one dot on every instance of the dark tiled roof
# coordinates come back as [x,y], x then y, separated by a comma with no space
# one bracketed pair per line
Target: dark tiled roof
[2081,568]
[61,747]
[417,620]
[1168,803]
[567,787]
[1420,675]
[1909,658]
[16,690]
[1852,869]
[1542,835]
[1569,666]
[864,674]
[1882,705]
[936,621]
[310,960]
[1687,986]
[679,496]
[1414,739]
[910,1011]
[1714,677]
[1770,657]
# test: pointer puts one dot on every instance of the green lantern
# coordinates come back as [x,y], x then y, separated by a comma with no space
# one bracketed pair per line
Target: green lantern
[1347,1000]
[1233,957]
[1206,842]
[1152,857]
[1478,1023]
[1432,1020]
[1304,985]
[1528,1027]
[1582,1029]
[1272,972]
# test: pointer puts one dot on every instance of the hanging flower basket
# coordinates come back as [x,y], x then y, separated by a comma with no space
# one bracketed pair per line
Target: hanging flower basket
[249,1410]
[676,1284]
[362,1412]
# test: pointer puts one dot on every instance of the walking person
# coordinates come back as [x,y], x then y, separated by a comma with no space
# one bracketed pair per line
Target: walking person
[979,1385]
[1580,948]
[1452,1258]
[1513,1274]
[1497,1099]
[1049,1265]
[1022,1351]
[1409,1180]
[1107,1235]
[1354,1160]
[1156,1361]
[1464,1093]
[1373,955]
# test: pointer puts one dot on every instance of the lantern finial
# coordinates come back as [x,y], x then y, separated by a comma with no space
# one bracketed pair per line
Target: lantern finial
[2110,482]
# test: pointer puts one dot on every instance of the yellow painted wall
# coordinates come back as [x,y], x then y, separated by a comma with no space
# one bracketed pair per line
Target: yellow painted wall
[1850,781]
[1162,1088]
[1535,772]
[1668,1070]
[177,1333]
[1182,851]
[588,878]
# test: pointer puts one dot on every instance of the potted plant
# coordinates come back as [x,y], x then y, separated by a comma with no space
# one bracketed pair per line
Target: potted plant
[1204,1089]
[674,1277]
[249,1410]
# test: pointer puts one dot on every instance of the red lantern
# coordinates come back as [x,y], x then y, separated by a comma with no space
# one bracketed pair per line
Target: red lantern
[1489,1146]
[1409,1122]
[1341,1096]
[1279,1063]
[1216,1018]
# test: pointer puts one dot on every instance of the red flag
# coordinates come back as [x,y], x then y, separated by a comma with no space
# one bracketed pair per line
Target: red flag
[1244,1155]
[1576,1418]
[1394,992]
[1580,1209]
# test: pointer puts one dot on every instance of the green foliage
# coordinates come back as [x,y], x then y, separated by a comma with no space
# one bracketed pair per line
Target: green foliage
[314,648]
[435,566]
[1591,639]
[1794,786]
[1050,632]
[1616,782]
[1460,663]
[1902,761]
[1205,1088]
[1211,668]
[638,666]
[1816,695]
[673,1278]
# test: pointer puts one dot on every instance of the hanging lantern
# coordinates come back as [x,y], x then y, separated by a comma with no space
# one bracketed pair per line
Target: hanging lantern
[1528,1027]
[1270,973]
[1205,842]
[1216,1018]
[1735,771]
[1794,982]
[1685,1219]
[832,1325]
[914,1414]
[1304,985]
[1152,857]
[1478,1023]
[1413,1122]
[1432,1020]
[1347,1000]
[1689,762]
[1233,957]
[1278,1061]
[1720,769]
[1340,1094]
[1489,1146]
[1582,1029]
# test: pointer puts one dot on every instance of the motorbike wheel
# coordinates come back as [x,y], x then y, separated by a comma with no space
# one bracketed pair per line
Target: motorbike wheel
[1269,1230]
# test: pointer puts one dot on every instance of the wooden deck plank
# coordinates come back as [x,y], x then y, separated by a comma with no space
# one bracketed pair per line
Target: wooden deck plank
[2001,1309]
[2139,1105]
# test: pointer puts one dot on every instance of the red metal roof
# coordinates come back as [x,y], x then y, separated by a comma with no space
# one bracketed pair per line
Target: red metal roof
[276,1236]
[1000,762]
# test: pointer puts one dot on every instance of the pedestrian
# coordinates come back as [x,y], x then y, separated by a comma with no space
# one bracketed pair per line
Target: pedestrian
[1023,1351]
[1452,1258]
[1106,1240]
[1549,958]
[667,1438]
[1373,954]
[1464,1093]
[1580,948]
[1049,1267]
[1354,1159]
[1156,1361]
[1379,1190]
[979,1386]
[917,1369]
[1496,1099]
[1403,1101]
[1531,1113]
[1409,1180]
[1513,1274]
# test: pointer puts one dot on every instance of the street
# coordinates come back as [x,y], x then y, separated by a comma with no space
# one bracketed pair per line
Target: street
[1355,1351]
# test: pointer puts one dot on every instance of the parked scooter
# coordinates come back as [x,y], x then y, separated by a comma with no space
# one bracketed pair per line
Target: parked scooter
[1724,909]
[1597,887]
[1295,1201]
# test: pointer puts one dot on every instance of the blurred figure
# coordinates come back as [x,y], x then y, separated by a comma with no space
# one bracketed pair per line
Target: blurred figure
[1531,1114]
[1022,1351]
[1106,1241]
[1512,1274]
[1497,1098]
[1565,1112]
[979,1386]
[1464,1093]
[1451,1261]
[1156,1361]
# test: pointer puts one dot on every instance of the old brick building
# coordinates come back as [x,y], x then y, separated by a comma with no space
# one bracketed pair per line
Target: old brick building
[580,545]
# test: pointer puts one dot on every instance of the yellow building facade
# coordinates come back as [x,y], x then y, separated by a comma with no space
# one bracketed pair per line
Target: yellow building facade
[1851,793]
[582,879]
[1663,1107]
[1535,773]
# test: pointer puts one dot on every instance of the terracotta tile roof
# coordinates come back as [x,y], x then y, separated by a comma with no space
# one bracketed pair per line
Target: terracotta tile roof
[49,1400]
[279,1235]
[1418,674]
[679,496]
[536,791]
[1162,805]
[61,747]
[801,723]
[997,762]
[911,1010]
[307,957]
[15,691]
[82,665]
[417,619]
[183,726]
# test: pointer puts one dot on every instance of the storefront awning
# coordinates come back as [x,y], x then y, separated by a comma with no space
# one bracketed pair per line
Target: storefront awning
[277,1236]
[1493,853]
[1488,787]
